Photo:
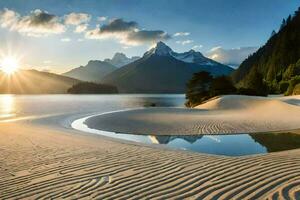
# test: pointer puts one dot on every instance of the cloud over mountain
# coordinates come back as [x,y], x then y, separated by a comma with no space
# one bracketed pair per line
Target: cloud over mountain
[41,23]
[126,32]
[232,56]
[118,25]
[147,36]
[77,18]
[38,23]
[184,42]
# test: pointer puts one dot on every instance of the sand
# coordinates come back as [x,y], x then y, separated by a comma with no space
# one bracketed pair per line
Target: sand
[58,165]
[225,115]
[43,161]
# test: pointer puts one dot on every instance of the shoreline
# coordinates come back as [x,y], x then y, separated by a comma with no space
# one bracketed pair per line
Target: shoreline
[225,115]
[83,127]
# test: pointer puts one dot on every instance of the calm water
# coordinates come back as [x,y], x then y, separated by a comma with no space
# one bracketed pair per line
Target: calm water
[59,110]
[229,145]
[16,106]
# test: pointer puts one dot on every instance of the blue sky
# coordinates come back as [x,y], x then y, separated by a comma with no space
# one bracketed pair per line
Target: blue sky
[227,30]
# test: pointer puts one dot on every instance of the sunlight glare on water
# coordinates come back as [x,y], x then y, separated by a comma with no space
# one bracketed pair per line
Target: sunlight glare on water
[7,106]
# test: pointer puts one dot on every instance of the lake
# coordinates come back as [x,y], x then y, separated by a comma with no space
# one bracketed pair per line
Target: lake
[59,110]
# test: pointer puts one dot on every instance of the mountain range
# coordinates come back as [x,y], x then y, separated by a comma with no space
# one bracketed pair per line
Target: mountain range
[161,70]
[120,59]
[95,70]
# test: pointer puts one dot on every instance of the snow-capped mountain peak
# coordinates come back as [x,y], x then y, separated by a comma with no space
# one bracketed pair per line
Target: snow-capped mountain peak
[161,49]
[120,59]
[191,56]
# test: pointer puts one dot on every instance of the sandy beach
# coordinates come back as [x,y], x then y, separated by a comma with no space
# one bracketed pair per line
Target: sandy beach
[43,158]
[224,115]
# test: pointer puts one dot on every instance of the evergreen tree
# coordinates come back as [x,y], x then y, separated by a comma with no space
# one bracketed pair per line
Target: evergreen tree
[255,83]
[297,12]
[273,33]
[221,85]
[288,19]
[283,23]
[198,88]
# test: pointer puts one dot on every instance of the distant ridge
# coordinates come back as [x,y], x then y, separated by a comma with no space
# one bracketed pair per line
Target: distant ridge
[35,82]
[94,71]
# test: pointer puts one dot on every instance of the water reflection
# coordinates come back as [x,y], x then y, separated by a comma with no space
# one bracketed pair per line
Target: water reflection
[153,100]
[7,106]
[232,145]
[277,141]
[167,139]
[229,145]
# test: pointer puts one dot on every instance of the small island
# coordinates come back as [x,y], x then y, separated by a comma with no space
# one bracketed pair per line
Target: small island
[92,88]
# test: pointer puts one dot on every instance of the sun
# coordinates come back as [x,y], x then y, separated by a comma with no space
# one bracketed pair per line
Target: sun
[9,65]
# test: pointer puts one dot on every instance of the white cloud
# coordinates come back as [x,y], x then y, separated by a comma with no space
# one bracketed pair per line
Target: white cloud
[232,56]
[79,40]
[80,28]
[184,42]
[126,33]
[181,34]
[197,46]
[77,18]
[80,20]
[102,18]
[65,39]
[38,23]
[8,18]
[41,23]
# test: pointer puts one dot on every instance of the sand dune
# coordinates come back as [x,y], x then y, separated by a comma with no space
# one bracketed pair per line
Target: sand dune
[228,114]
[60,165]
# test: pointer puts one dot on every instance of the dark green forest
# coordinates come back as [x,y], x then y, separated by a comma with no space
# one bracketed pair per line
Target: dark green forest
[278,61]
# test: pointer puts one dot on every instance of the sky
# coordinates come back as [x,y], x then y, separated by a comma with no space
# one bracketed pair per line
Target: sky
[57,35]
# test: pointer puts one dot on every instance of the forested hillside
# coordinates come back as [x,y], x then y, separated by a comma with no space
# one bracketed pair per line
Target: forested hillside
[276,61]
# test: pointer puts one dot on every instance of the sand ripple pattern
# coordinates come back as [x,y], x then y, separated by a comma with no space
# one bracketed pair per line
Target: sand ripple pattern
[136,172]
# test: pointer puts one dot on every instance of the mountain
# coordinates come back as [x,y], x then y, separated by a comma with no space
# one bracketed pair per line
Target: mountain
[273,60]
[191,56]
[94,71]
[161,70]
[120,59]
[35,82]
